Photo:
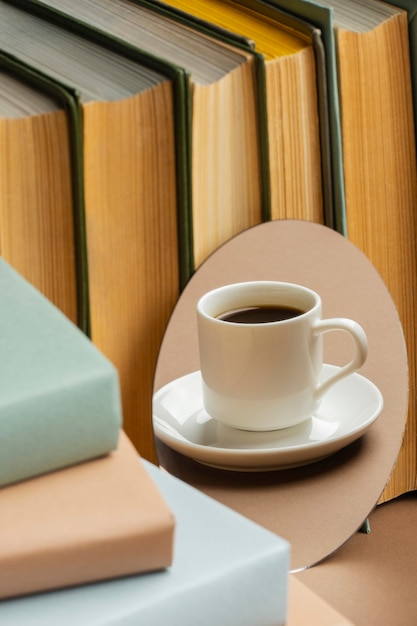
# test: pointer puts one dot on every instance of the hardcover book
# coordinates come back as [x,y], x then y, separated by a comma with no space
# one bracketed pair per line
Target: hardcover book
[42,233]
[292,105]
[228,174]
[371,85]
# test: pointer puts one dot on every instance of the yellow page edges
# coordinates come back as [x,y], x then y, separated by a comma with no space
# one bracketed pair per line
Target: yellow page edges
[244,21]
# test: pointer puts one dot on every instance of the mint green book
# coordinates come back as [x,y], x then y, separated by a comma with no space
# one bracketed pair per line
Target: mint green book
[59,396]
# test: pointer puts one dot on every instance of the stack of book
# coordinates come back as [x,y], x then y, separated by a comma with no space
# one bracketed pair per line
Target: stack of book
[78,505]
[182,123]
[226,570]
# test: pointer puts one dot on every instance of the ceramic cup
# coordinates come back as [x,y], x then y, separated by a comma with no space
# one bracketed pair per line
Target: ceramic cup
[264,375]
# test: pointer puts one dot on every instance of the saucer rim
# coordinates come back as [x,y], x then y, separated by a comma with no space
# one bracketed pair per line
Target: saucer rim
[266,457]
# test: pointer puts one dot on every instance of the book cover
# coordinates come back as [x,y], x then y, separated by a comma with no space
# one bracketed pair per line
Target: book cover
[322,17]
[411,8]
[59,396]
[98,520]
[311,31]
[42,221]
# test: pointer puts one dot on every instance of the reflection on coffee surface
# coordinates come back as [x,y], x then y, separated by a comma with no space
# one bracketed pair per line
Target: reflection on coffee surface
[260,314]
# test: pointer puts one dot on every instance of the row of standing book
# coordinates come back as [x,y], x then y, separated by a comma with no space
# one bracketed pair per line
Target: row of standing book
[138,136]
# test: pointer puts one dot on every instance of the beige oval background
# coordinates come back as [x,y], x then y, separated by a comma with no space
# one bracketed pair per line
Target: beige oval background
[319,506]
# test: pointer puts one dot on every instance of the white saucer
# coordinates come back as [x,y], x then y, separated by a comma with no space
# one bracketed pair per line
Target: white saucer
[345,413]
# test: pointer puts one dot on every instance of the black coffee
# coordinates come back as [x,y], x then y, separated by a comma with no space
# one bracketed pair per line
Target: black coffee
[260,314]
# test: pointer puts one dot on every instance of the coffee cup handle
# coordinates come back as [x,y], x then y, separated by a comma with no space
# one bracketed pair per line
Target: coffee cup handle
[360,341]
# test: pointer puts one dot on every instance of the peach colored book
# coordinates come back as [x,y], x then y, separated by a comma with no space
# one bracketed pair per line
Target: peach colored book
[94,521]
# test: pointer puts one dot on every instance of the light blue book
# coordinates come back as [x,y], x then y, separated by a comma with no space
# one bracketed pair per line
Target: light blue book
[59,396]
[227,571]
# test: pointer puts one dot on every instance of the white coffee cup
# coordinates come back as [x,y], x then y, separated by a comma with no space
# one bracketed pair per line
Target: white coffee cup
[265,376]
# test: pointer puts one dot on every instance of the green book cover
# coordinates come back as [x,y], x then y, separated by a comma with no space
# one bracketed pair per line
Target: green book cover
[69,101]
[322,18]
[411,7]
[314,34]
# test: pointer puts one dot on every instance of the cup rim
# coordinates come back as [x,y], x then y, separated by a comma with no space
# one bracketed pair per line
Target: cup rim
[259,283]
